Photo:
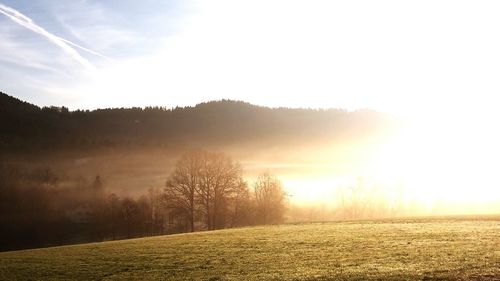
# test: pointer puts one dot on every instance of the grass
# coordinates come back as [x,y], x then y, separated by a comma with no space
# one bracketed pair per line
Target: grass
[410,249]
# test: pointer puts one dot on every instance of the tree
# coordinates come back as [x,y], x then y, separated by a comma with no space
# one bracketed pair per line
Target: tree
[204,183]
[242,207]
[113,205]
[220,180]
[180,189]
[158,212]
[129,212]
[270,199]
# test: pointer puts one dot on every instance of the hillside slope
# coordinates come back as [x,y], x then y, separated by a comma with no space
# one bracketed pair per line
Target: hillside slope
[25,126]
[418,249]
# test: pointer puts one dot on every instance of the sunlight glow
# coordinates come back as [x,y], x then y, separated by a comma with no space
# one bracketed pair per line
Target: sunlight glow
[441,162]
[441,166]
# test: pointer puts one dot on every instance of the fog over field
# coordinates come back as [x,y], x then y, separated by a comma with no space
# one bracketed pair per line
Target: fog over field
[321,178]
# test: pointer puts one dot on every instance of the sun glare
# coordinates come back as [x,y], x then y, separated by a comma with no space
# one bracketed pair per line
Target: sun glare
[438,167]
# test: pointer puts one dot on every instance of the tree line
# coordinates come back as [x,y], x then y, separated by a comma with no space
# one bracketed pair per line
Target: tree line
[27,127]
[205,191]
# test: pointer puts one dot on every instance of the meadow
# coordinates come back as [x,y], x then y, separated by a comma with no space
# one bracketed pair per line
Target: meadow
[459,248]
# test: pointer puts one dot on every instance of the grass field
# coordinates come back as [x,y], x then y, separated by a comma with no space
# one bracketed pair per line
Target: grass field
[411,249]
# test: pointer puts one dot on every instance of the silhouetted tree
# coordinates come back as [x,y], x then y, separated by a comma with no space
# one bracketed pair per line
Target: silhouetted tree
[270,199]
[113,214]
[242,207]
[144,220]
[220,179]
[129,210]
[180,189]
[204,182]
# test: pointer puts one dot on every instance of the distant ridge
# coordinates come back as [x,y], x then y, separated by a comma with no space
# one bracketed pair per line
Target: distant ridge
[12,104]
[24,126]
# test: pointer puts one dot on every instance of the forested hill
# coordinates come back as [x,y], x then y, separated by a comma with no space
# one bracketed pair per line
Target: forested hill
[24,126]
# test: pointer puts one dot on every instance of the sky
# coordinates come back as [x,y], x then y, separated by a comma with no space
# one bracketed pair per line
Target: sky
[435,64]
[401,57]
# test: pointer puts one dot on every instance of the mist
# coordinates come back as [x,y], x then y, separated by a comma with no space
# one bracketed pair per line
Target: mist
[342,180]
[109,174]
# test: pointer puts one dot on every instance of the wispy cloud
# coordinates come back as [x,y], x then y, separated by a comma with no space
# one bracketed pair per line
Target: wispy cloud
[64,44]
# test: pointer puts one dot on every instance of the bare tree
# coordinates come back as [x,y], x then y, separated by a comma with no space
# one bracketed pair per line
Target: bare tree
[242,207]
[157,211]
[220,180]
[129,212]
[270,199]
[113,214]
[182,184]
[204,182]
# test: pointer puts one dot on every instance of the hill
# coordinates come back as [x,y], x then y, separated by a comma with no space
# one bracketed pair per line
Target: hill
[24,126]
[51,159]
[417,249]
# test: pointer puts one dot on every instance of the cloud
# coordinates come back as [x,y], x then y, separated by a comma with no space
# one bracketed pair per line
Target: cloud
[85,49]
[64,44]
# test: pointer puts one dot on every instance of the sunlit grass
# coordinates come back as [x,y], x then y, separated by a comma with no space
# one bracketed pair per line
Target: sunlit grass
[417,249]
